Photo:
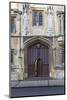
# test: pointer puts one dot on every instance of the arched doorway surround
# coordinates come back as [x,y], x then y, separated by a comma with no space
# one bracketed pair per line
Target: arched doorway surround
[37,54]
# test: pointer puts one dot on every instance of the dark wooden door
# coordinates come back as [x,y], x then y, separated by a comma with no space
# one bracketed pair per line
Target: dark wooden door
[38,60]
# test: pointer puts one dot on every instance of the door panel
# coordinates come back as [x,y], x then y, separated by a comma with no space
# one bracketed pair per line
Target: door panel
[38,60]
[39,67]
[31,70]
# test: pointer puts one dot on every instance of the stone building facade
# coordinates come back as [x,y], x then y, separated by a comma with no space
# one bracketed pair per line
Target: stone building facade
[37,40]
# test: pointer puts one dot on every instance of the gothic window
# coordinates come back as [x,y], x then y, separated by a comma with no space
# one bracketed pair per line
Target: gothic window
[13,24]
[13,53]
[62,55]
[37,18]
[12,56]
[61,23]
[40,18]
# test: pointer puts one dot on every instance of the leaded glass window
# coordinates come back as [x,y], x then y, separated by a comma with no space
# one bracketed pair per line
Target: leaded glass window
[37,18]
[13,24]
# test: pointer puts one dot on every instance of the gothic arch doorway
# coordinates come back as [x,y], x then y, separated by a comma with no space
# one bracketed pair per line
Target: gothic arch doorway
[38,60]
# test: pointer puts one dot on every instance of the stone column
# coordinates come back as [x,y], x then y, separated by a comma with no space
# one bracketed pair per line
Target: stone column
[25,63]
[26,20]
[54,57]
[50,21]
[51,63]
[20,54]
[22,60]
[62,24]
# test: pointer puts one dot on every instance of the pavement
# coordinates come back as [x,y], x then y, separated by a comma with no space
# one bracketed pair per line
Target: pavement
[37,87]
[33,83]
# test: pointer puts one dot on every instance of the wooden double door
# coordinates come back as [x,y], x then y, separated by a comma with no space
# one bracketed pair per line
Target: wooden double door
[38,60]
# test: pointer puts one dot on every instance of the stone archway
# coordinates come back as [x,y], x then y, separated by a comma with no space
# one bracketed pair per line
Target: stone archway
[35,70]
